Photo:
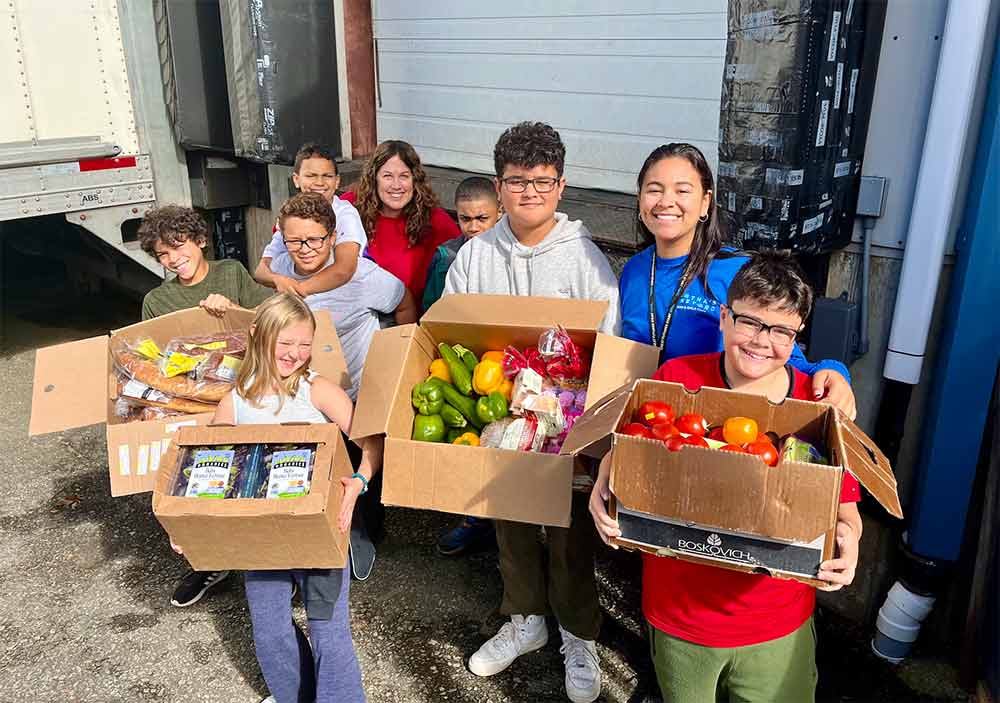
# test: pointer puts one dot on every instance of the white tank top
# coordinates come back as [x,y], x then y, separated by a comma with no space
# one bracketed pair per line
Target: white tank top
[297,409]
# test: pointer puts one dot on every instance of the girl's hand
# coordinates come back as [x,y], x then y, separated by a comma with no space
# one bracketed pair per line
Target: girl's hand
[217,304]
[352,489]
[831,387]
[176,547]
[606,526]
[839,572]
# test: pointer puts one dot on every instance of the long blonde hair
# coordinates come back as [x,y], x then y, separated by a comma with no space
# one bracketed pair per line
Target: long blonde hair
[258,376]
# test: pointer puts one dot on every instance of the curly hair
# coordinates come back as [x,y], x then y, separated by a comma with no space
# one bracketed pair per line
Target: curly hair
[172,225]
[308,206]
[417,212]
[529,144]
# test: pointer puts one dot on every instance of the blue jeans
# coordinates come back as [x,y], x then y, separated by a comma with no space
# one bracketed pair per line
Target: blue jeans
[326,672]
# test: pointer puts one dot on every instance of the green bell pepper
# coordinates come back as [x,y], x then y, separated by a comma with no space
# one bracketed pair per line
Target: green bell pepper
[427,398]
[428,428]
[491,408]
[452,417]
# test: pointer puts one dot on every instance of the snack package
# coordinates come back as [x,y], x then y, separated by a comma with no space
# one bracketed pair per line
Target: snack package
[492,434]
[514,361]
[136,393]
[212,472]
[796,449]
[134,360]
[289,470]
[523,434]
[565,361]
[549,412]
[527,382]
[214,357]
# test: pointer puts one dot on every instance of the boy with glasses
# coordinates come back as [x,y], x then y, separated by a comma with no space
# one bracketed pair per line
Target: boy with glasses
[534,250]
[717,634]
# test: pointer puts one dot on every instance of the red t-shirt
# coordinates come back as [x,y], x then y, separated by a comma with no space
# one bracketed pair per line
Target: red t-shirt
[389,247]
[717,607]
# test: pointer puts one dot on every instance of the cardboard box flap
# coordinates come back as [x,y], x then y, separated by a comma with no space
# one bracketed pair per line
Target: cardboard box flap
[630,361]
[187,323]
[327,355]
[379,380]
[869,465]
[591,433]
[518,311]
[70,386]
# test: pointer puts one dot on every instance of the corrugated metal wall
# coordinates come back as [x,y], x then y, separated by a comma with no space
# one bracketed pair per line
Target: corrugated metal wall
[616,79]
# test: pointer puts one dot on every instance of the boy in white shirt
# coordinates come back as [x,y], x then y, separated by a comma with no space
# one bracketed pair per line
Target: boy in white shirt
[315,171]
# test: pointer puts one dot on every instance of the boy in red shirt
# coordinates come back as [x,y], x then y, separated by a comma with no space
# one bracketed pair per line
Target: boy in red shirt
[717,634]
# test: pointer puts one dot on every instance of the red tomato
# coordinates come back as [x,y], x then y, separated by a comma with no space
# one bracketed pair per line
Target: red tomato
[634,429]
[696,441]
[764,437]
[654,412]
[716,434]
[765,450]
[733,448]
[739,430]
[663,430]
[674,442]
[693,424]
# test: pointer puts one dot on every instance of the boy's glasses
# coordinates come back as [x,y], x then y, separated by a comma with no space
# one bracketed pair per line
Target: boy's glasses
[750,327]
[308,242]
[519,185]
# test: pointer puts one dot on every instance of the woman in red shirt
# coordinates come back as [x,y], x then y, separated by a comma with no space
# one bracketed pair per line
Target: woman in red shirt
[400,214]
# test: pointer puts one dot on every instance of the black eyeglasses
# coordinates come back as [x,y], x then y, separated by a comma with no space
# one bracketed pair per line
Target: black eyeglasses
[750,327]
[519,185]
[309,242]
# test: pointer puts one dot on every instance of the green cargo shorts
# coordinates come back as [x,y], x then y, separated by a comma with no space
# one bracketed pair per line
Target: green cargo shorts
[780,670]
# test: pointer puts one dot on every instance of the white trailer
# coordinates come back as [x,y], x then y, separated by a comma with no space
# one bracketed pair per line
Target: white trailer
[84,131]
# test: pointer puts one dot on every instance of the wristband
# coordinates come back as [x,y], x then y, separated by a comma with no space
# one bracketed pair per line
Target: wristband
[364,482]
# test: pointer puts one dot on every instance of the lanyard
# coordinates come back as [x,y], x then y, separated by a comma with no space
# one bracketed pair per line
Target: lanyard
[681,285]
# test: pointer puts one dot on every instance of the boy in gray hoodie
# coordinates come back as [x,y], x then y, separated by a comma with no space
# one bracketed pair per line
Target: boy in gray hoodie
[534,250]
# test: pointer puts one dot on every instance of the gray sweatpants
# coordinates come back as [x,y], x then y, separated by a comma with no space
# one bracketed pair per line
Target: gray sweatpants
[329,673]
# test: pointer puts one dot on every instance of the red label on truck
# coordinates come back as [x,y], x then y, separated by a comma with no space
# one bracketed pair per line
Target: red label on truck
[102,164]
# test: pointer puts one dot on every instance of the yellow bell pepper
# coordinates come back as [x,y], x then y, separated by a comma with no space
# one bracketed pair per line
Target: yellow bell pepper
[487,377]
[496,356]
[506,388]
[439,369]
[470,439]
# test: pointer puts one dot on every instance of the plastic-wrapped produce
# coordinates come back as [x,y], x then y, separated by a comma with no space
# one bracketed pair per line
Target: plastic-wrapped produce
[212,472]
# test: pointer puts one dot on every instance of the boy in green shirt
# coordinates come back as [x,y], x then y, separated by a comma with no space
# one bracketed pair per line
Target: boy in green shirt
[175,236]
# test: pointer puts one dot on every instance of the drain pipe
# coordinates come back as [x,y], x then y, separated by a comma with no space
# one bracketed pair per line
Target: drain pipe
[951,130]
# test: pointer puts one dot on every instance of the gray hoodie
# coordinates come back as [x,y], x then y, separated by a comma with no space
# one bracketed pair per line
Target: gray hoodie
[566,264]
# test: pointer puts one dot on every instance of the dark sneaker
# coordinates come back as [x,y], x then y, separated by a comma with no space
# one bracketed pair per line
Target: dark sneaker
[193,586]
[360,548]
[471,532]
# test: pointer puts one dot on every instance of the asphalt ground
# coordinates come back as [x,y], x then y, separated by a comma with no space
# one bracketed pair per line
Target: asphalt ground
[86,581]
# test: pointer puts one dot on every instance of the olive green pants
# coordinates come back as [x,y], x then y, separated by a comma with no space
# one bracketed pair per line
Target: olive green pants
[556,578]
[780,670]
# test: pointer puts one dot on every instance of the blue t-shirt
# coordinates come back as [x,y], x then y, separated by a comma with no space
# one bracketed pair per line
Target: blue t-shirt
[695,327]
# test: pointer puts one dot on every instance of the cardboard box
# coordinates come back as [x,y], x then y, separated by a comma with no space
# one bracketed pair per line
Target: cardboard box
[75,386]
[726,509]
[493,483]
[257,533]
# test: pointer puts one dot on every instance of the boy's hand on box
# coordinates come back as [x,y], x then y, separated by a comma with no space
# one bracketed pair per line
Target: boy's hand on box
[352,489]
[176,547]
[284,284]
[831,387]
[606,526]
[217,304]
[839,572]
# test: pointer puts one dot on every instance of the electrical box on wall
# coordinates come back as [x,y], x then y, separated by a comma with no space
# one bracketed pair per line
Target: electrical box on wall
[834,330]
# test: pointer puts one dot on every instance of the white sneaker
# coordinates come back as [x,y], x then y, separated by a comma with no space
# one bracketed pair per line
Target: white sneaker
[519,636]
[583,668]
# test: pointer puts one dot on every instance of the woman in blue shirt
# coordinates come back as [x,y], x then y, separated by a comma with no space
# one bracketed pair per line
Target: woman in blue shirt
[670,292]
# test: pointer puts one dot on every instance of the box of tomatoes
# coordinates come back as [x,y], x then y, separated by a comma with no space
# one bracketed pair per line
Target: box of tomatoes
[728,478]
